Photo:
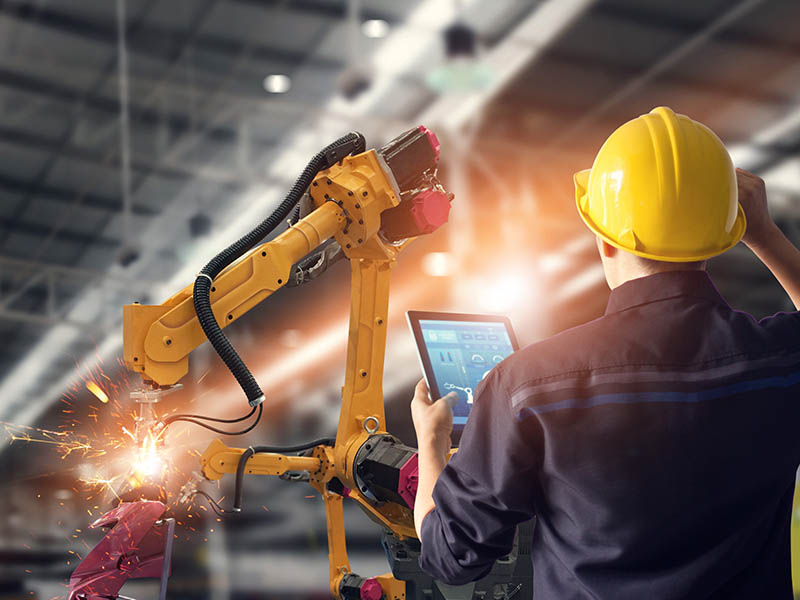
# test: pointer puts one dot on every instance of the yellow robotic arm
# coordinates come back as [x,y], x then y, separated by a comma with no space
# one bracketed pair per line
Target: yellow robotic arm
[372,203]
[349,199]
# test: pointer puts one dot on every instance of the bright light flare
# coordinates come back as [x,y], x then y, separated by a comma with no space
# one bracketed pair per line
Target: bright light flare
[148,467]
[501,295]
[97,391]
[510,289]
[438,264]
[148,463]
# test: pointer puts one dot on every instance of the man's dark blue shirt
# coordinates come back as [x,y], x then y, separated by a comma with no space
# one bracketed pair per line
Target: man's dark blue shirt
[657,447]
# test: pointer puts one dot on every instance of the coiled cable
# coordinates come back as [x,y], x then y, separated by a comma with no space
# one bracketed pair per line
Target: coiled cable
[348,144]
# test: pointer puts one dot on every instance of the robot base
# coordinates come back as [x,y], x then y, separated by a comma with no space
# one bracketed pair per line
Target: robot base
[511,578]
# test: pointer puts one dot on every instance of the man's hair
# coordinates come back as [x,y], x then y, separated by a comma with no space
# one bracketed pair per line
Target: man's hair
[659,266]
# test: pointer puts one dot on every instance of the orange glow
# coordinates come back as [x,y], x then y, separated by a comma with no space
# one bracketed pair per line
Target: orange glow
[97,391]
[148,463]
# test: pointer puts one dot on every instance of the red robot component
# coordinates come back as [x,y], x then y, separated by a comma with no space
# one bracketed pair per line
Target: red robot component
[371,590]
[358,588]
[413,159]
[138,545]
[409,479]
[387,470]
[432,139]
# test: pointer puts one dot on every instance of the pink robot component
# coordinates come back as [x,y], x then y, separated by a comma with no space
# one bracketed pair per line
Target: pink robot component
[138,545]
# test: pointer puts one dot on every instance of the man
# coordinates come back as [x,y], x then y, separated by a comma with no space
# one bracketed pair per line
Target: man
[657,446]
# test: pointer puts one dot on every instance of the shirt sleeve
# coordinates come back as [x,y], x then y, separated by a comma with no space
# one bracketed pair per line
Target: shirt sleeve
[485,490]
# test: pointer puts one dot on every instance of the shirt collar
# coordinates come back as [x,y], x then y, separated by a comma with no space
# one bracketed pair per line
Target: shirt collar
[661,286]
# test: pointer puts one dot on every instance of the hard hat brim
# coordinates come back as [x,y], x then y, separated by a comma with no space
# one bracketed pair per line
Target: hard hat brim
[581,179]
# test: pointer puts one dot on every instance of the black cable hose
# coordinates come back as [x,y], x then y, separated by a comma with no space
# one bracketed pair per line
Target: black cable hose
[348,144]
[180,417]
[237,489]
[220,512]
[248,429]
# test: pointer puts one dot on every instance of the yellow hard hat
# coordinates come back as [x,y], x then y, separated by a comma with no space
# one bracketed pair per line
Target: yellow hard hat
[663,187]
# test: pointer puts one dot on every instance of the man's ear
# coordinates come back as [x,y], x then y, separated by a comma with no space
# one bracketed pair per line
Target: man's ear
[609,251]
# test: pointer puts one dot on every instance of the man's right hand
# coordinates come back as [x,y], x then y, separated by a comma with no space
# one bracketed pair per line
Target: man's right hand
[765,238]
[753,198]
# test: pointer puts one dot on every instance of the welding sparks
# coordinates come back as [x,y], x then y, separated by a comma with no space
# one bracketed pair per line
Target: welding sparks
[97,391]
[66,442]
[113,446]
[148,463]
[104,484]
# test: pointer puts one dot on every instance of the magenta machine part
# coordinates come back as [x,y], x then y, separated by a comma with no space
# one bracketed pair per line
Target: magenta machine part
[412,158]
[138,545]
[409,479]
[387,470]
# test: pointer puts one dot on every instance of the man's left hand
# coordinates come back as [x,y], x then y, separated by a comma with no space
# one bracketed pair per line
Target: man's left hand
[433,420]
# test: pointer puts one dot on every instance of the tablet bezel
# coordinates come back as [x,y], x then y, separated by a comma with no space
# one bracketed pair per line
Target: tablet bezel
[415,316]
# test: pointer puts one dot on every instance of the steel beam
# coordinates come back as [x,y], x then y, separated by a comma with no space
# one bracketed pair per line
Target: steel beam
[62,195]
[44,320]
[329,10]
[166,169]
[15,225]
[75,274]
[48,88]
[149,41]
[642,15]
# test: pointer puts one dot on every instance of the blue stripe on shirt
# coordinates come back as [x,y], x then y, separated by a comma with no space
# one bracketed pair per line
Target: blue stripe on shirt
[648,397]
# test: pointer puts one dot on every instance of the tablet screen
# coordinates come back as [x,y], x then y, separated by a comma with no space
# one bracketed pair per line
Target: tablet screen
[460,354]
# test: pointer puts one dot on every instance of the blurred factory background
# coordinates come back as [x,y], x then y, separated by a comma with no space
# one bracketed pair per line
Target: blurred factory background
[139,137]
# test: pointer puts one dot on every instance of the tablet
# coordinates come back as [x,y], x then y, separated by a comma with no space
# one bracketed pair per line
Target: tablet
[457,351]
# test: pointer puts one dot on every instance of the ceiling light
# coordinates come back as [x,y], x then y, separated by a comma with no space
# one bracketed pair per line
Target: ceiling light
[375,28]
[277,83]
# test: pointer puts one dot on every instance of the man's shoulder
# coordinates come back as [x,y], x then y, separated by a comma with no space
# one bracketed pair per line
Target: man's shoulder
[566,354]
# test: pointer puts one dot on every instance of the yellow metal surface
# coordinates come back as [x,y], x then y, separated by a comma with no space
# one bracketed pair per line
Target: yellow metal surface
[796,541]
[397,518]
[359,185]
[392,588]
[362,394]
[158,339]
[219,459]
[338,563]
[663,187]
